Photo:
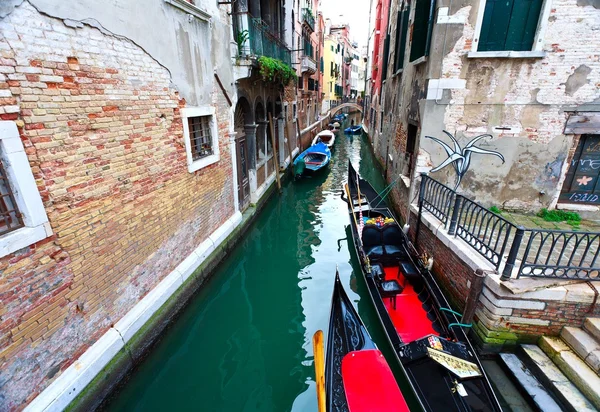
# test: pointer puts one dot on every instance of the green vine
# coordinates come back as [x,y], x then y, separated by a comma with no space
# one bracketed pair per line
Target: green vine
[274,70]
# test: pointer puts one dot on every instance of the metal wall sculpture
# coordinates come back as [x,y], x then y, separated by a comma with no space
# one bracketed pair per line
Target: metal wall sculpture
[461,157]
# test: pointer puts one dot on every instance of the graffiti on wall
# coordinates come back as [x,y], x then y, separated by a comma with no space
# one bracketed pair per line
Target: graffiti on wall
[460,157]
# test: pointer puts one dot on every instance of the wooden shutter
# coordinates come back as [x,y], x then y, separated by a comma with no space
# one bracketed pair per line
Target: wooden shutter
[398,36]
[509,25]
[422,28]
[523,24]
[494,27]
[386,54]
[401,46]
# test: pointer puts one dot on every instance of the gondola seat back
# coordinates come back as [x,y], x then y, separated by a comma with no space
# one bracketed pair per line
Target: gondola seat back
[383,244]
[371,241]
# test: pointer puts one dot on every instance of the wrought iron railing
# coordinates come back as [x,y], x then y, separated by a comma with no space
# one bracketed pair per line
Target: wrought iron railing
[308,18]
[560,254]
[254,39]
[437,198]
[481,228]
[536,252]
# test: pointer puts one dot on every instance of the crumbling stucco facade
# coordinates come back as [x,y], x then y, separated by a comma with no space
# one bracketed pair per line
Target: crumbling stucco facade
[523,100]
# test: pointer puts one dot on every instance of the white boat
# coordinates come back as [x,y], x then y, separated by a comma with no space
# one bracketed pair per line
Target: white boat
[325,136]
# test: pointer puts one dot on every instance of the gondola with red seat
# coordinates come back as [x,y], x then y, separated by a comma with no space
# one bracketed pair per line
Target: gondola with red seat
[429,342]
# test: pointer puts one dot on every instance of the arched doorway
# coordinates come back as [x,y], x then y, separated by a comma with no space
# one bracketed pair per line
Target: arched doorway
[242,120]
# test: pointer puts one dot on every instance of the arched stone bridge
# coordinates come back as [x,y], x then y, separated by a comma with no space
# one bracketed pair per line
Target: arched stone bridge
[341,106]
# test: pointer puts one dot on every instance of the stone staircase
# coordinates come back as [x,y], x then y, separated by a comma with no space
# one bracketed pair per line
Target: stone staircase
[560,373]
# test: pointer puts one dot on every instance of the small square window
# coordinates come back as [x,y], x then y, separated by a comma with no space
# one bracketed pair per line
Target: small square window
[200,137]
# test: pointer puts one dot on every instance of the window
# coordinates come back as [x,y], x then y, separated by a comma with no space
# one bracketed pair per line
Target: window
[200,136]
[10,217]
[422,27]
[401,31]
[386,53]
[331,69]
[332,47]
[509,25]
[23,219]
[294,110]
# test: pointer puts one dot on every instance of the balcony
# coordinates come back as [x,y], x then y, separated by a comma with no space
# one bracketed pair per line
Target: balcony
[308,18]
[308,65]
[254,39]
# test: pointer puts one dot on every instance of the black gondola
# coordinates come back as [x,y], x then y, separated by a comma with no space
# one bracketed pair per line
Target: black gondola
[429,342]
[357,377]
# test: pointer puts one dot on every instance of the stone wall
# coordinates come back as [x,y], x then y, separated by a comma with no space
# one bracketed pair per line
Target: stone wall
[522,103]
[102,129]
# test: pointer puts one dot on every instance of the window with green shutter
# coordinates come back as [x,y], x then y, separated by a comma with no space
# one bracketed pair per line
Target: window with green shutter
[386,53]
[422,27]
[509,25]
[401,31]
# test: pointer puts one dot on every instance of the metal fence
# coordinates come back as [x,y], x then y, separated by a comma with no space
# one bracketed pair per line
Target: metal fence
[437,198]
[561,254]
[254,38]
[481,228]
[536,252]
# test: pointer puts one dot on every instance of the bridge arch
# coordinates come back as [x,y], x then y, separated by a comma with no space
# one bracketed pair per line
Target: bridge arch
[341,106]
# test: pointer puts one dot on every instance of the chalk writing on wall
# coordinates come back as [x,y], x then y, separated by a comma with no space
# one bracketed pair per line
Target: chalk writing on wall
[584,197]
[460,157]
[582,182]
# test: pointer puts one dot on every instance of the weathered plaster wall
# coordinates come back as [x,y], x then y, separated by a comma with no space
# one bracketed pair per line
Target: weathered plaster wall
[530,96]
[101,125]
[179,42]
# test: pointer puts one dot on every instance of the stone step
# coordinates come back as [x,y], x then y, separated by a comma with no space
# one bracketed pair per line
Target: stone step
[578,372]
[553,379]
[592,326]
[584,344]
[532,386]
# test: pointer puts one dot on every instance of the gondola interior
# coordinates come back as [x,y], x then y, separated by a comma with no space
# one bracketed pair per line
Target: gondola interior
[425,333]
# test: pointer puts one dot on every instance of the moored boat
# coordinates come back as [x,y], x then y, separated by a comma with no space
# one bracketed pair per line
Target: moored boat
[357,376]
[428,339]
[325,136]
[314,158]
[353,129]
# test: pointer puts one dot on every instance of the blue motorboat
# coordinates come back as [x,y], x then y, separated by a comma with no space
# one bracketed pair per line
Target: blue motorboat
[312,159]
[353,130]
[339,117]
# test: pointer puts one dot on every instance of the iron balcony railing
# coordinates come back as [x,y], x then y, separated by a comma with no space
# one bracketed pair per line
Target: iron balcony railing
[535,252]
[308,18]
[254,39]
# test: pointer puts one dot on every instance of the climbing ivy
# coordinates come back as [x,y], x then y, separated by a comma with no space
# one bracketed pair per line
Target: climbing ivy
[274,70]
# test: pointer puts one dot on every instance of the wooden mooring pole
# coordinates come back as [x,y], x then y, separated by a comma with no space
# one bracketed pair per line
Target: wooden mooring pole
[276,162]
[474,292]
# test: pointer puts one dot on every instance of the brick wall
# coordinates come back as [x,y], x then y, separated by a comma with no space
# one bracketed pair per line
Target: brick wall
[101,126]
[451,272]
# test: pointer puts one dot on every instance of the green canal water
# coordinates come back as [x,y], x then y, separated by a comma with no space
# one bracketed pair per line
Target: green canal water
[245,341]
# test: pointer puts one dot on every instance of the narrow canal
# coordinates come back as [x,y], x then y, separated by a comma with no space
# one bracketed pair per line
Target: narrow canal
[245,342]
